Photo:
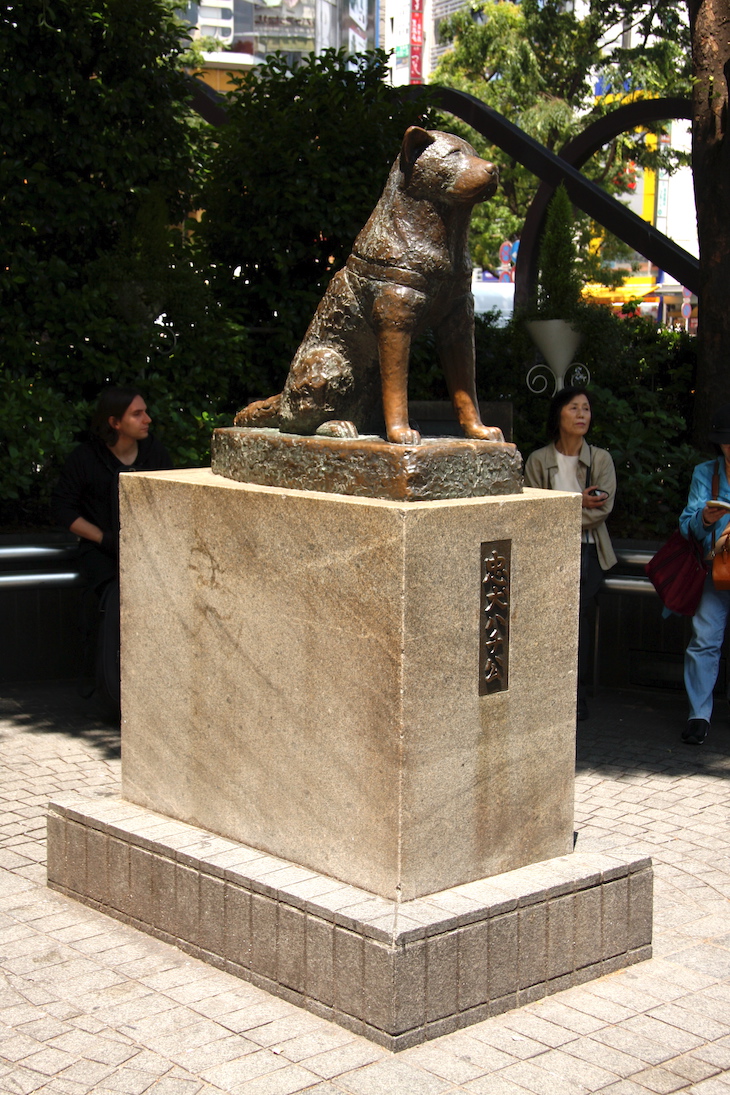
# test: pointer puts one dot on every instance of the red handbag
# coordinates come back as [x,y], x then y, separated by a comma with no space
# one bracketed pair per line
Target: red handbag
[678,574]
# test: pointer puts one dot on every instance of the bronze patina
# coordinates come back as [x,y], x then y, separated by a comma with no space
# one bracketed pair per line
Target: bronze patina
[409,269]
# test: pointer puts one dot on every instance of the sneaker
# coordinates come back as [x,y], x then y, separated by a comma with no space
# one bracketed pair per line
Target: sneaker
[695,731]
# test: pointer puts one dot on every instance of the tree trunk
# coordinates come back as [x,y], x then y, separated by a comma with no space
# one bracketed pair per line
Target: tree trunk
[710,26]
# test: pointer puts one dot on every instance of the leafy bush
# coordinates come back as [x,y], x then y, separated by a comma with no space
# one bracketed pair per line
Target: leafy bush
[100,155]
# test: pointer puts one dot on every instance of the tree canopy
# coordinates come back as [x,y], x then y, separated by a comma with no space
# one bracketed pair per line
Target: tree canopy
[99,155]
[552,72]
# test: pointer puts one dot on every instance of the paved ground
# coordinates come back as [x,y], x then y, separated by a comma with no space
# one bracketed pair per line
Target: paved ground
[89,1005]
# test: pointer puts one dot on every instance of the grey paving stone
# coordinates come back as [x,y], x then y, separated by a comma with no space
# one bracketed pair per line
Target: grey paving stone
[392,1077]
[633,793]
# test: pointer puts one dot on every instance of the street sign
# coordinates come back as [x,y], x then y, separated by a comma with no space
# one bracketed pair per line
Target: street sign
[686,310]
[505,251]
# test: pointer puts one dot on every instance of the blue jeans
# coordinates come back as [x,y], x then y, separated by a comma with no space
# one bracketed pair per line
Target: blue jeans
[702,657]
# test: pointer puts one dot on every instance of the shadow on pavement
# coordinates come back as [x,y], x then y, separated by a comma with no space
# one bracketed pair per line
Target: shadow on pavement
[40,707]
[640,730]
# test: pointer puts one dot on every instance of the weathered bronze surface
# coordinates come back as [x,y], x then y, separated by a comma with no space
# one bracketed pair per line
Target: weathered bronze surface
[495,613]
[368,467]
[409,269]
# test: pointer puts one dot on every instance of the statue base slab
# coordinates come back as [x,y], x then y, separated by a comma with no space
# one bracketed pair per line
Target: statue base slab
[368,467]
[398,973]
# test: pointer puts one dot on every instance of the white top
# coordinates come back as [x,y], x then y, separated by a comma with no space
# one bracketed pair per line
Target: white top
[567,479]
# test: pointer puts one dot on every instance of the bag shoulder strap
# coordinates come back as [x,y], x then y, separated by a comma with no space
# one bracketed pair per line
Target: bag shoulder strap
[715,494]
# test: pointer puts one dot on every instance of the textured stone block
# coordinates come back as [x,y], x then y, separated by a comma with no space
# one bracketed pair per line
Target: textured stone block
[76,856]
[442,976]
[410,987]
[56,843]
[163,894]
[641,906]
[560,937]
[237,932]
[320,959]
[211,932]
[348,972]
[587,925]
[291,947]
[379,980]
[615,918]
[264,925]
[142,901]
[187,903]
[368,467]
[532,947]
[97,863]
[473,965]
[118,875]
[503,956]
[318,619]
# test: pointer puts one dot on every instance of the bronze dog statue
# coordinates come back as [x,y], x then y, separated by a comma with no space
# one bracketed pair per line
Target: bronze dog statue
[409,269]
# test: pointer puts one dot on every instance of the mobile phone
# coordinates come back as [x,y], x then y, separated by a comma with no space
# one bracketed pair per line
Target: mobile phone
[596,493]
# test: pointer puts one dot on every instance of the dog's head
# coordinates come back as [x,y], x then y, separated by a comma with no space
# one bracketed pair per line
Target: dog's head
[444,168]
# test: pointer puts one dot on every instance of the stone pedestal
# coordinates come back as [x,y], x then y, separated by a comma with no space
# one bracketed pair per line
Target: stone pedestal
[308,674]
[398,972]
[348,753]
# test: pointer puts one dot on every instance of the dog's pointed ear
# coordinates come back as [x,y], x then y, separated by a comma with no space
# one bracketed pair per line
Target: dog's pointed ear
[414,142]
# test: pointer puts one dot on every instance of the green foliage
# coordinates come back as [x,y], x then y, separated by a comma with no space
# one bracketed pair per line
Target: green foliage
[559,283]
[537,62]
[641,394]
[293,178]
[653,460]
[100,156]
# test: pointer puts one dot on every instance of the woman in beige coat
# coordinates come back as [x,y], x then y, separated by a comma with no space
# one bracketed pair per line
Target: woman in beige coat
[569,463]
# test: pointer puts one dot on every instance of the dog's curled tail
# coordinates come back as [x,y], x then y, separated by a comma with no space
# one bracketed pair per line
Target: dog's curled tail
[264,412]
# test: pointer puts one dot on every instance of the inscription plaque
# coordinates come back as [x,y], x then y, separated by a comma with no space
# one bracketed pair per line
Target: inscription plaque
[494,617]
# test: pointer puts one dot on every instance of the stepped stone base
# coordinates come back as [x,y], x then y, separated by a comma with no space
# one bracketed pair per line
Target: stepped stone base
[398,973]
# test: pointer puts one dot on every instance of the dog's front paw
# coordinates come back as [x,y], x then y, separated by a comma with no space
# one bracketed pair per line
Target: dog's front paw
[403,435]
[484,433]
[337,427]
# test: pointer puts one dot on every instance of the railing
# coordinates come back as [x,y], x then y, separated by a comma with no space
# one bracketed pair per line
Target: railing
[630,583]
[44,565]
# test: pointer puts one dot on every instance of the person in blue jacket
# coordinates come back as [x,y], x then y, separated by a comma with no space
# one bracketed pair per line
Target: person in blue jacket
[701,519]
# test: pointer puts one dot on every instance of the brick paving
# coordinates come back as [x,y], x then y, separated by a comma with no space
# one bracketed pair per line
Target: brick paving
[89,1005]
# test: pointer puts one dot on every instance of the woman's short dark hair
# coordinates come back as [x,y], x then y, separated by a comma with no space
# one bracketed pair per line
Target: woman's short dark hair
[560,400]
[112,403]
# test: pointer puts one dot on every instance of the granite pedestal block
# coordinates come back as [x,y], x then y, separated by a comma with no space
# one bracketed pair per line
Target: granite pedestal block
[358,686]
[398,972]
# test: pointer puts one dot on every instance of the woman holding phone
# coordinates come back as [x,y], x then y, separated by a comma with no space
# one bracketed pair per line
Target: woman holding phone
[569,463]
[710,526]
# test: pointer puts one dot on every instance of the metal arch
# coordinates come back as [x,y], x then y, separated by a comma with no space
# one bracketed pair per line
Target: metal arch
[547,166]
[577,152]
[553,170]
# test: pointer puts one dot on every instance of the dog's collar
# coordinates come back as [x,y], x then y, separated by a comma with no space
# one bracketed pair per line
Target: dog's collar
[408,278]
